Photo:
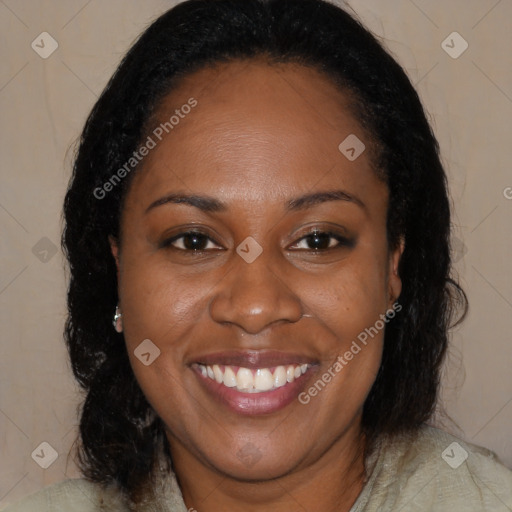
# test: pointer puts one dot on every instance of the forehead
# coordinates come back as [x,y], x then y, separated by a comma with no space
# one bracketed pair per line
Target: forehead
[254,124]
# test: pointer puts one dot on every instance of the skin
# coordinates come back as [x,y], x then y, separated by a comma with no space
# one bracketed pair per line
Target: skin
[260,136]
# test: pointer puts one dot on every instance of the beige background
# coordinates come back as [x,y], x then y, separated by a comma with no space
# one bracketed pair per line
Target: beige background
[44,104]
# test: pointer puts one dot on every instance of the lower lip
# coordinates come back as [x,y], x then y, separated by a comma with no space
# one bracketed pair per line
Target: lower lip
[253,404]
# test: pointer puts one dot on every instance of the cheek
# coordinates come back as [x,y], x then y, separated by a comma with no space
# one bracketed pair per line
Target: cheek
[349,305]
[167,310]
[158,301]
[352,298]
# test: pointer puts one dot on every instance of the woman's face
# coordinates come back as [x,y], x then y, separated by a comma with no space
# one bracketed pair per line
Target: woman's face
[257,300]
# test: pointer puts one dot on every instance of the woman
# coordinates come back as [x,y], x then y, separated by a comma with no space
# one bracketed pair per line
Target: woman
[259,208]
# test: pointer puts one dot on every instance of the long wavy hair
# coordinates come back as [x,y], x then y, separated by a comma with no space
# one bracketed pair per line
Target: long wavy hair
[121,438]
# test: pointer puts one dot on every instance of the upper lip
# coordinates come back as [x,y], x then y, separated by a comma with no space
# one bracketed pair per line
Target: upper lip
[253,359]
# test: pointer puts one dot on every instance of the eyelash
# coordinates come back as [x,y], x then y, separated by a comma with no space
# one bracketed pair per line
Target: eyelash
[342,241]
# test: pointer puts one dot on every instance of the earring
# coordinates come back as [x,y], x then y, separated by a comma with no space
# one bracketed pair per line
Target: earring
[117,322]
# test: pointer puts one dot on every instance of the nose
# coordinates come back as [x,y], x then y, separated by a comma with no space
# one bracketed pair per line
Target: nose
[254,296]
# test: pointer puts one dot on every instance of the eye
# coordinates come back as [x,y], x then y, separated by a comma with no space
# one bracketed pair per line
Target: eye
[322,240]
[193,241]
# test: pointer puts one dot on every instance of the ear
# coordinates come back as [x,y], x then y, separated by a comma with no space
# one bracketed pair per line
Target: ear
[114,248]
[394,280]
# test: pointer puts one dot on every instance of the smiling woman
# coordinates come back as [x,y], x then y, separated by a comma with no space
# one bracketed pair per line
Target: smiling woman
[278,264]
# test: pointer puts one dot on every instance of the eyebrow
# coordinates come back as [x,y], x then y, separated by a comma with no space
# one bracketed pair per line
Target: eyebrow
[210,204]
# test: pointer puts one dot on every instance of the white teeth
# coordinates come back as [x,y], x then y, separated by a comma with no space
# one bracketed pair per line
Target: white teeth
[217,372]
[263,380]
[253,381]
[244,379]
[229,377]
[280,376]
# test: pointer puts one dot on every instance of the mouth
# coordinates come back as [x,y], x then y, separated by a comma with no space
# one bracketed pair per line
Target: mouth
[248,380]
[252,383]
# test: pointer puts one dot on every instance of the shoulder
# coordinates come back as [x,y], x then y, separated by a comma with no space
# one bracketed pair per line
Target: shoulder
[76,495]
[436,471]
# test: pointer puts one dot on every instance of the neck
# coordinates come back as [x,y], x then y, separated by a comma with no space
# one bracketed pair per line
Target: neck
[332,482]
